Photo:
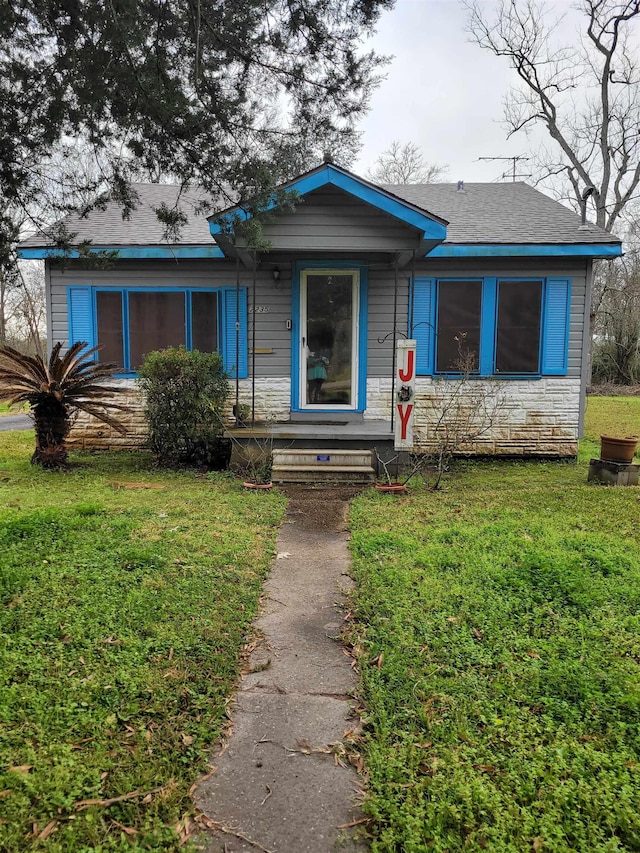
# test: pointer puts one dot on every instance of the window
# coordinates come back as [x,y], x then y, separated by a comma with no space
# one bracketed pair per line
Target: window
[518,327]
[156,321]
[128,323]
[458,330]
[506,327]
[204,334]
[110,331]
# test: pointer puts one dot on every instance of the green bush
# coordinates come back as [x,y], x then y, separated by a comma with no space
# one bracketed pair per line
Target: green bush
[185,397]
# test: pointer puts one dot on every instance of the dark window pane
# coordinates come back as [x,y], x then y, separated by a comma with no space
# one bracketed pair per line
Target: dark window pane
[458,341]
[518,339]
[156,321]
[204,321]
[110,335]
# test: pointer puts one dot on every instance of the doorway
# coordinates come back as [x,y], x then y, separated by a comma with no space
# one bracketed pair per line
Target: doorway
[329,339]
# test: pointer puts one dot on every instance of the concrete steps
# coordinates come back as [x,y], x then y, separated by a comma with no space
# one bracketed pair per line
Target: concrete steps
[312,465]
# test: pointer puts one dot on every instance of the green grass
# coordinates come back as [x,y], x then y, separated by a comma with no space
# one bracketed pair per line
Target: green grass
[497,627]
[618,416]
[14,410]
[502,715]
[123,616]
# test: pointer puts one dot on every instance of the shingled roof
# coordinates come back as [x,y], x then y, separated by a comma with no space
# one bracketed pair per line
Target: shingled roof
[498,213]
[106,226]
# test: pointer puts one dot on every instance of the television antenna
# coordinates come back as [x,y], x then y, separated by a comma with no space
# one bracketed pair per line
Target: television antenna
[514,161]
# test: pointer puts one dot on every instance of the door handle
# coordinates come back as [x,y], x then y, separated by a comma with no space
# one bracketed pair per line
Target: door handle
[304,340]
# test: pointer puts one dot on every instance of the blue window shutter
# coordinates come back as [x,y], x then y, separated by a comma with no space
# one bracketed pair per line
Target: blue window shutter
[230,314]
[80,311]
[423,316]
[555,327]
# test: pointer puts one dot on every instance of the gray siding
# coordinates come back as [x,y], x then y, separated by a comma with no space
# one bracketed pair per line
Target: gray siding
[381,291]
[585,378]
[271,331]
[330,220]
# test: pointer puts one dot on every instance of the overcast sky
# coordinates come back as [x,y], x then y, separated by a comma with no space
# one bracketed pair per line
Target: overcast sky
[442,92]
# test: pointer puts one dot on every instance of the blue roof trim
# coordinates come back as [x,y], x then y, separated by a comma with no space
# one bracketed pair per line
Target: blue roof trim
[497,250]
[132,252]
[329,175]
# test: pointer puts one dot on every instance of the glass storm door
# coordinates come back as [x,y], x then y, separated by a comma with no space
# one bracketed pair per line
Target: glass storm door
[329,302]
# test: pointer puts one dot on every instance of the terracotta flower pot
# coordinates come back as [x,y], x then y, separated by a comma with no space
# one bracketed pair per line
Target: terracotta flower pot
[620,450]
[392,488]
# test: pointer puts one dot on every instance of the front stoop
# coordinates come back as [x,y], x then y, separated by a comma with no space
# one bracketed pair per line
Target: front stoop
[322,465]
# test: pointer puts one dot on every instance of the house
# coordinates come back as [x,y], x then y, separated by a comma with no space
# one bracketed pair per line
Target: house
[307,329]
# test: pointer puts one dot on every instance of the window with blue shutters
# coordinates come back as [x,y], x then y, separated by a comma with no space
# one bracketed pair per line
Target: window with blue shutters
[127,323]
[523,325]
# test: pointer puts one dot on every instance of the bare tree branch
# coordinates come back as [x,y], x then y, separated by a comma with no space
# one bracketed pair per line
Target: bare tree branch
[405,164]
[586,95]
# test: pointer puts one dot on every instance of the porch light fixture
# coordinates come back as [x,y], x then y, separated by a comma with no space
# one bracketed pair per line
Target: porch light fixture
[275,272]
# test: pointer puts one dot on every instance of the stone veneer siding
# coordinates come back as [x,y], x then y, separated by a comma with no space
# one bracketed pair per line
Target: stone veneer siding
[536,417]
[272,403]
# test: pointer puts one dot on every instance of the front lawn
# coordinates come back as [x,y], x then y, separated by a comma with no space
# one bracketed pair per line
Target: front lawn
[497,627]
[126,594]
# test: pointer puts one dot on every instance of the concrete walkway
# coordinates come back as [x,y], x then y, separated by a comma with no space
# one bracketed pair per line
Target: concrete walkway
[276,785]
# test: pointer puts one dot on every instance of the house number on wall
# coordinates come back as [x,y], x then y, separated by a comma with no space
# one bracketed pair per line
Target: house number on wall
[259,309]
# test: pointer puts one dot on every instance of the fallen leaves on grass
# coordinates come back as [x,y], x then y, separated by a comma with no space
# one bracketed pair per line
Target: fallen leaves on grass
[46,832]
[117,485]
[80,805]
[128,830]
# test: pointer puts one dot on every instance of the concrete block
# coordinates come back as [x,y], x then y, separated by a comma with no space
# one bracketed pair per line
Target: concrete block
[613,473]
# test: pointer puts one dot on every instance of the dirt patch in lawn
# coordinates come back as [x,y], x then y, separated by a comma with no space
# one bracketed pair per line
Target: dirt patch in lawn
[323,508]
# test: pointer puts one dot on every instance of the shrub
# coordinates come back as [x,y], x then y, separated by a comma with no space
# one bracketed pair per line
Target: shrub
[185,396]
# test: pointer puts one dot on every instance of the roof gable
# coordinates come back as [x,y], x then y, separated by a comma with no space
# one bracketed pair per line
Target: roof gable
[432,229]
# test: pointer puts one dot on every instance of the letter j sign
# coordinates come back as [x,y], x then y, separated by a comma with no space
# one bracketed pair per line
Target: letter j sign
[405,387]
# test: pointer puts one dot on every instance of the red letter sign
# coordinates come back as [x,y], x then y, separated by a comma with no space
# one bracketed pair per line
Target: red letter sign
[405,386]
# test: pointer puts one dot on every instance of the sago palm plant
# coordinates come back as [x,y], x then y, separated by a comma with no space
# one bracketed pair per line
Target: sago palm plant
[56,390]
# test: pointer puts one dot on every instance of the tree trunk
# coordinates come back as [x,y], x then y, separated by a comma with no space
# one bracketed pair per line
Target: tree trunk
[3,318]
[52,427]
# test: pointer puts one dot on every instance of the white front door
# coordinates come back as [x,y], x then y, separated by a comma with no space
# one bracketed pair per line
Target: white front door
[329,309]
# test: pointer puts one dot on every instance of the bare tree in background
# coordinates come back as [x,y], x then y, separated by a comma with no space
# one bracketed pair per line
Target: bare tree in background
[616,309]
[405,164]
[585,93]
[27,316]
